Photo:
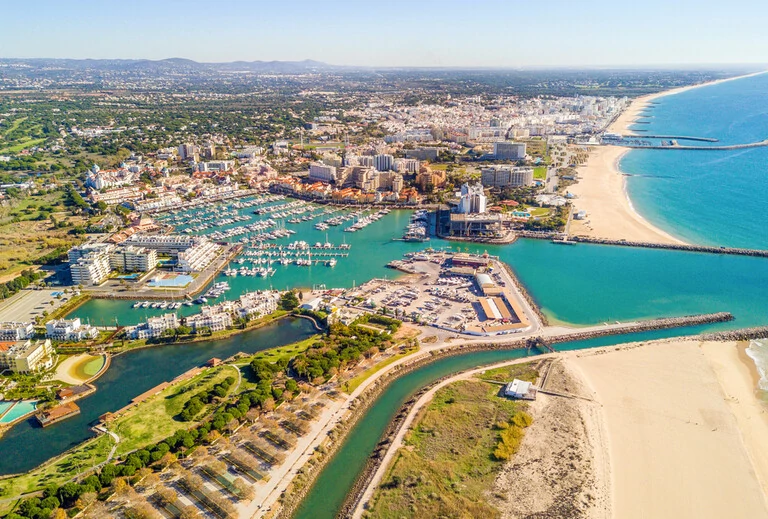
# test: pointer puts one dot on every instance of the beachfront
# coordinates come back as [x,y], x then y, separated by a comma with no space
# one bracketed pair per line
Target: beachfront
[601,191]
[677,416]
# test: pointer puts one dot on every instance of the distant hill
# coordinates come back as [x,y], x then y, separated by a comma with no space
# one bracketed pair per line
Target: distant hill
[173,65]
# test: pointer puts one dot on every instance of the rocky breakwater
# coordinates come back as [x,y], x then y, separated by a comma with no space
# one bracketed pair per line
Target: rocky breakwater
[419,361]
[745,334]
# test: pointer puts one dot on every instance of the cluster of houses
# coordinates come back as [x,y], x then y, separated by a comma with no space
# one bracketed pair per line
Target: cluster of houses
[212,317]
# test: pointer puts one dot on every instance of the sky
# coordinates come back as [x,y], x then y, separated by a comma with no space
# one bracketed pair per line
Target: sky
[432,33]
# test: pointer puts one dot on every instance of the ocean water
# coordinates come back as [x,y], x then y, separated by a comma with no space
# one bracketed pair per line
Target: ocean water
[758,352]
[707,197]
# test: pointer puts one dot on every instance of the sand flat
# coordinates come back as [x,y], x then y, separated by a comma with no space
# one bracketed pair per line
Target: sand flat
[674,444]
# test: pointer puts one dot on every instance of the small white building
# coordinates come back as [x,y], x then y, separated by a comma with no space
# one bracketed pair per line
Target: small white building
[312,304]
[521,390]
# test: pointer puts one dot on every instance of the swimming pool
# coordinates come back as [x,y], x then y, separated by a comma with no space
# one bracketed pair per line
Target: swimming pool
[4,406]
[20,409]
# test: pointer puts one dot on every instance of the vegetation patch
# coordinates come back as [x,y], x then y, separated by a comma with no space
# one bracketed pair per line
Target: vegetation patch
[448,462]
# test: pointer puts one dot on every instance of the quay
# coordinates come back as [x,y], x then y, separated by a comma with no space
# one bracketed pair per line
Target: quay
[572,240]
[708,148]
[678,137]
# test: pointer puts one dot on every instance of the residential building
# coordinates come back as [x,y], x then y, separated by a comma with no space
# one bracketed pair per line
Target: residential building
[197,257]
[216,165]
[429,154]
[406,165]
[210,317]
[153,328]
[89,263]
[70,330]
[506,176]
[26,356]
[509,150]
[130,258]
[168,244]
[12,331]
[473,199]
[391,181]
[322,172]
[383,162]
[189,152]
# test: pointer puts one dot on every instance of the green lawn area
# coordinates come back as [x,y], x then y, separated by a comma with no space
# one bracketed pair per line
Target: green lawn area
[540,173]
[82,458]
[154,419]
[14,125]
[22,145]
[354,383]
[446,468]
[272,355]
[507,373]
[539,211]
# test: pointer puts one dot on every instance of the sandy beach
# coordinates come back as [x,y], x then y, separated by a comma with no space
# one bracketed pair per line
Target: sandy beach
[601,193]
[684,432]
[601,190]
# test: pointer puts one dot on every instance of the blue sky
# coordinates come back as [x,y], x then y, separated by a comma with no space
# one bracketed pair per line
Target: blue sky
[487,33]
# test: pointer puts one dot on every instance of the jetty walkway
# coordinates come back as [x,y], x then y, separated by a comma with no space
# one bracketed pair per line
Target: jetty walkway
[707,148]
[678,137]
[559,238]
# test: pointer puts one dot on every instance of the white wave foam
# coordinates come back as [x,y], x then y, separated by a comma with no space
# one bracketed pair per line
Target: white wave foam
[758,352]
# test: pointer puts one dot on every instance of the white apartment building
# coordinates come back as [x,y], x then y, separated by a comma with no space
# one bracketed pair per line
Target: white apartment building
[473,199]
[506,176]
[406,165]
[70,330]
[116,196]
[216,165]
[322,172]
[168,244]
[130,258]
[258,303]
[89,264]
[161,202]
[391,181]
[508,150]
[197,257]
[16,331]
[153,328]
[383,162]
[26,356]
[210,317]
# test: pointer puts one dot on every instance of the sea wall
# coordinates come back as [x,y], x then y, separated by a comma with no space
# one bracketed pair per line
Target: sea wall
[733,251]
[745,334]
[292,500]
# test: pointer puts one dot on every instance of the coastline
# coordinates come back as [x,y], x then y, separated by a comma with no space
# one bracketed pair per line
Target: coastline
[687,413]
[602,187]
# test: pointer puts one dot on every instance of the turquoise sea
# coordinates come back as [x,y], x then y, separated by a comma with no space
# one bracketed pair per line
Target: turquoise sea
[708,197]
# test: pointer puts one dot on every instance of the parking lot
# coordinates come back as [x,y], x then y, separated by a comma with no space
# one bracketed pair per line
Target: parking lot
[26,305]
[438,296]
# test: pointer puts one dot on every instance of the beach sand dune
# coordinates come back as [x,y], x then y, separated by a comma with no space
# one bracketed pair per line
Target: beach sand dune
[675,444]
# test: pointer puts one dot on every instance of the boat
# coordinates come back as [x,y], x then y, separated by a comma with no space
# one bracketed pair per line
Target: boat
[331,262]
[136,304]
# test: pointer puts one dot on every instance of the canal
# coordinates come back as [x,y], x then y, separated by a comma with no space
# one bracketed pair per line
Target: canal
[28,445]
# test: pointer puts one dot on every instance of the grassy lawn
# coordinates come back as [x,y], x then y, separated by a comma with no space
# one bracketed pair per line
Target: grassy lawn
[507,373]
[14,125]
[28,143]
[155,419]
[82,458]
[272,355]
[355,382]
[539,211]
[447,467]
[540,172]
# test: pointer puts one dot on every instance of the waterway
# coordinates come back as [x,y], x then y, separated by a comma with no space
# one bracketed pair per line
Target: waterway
[27,445]
[337,477]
